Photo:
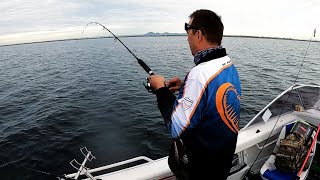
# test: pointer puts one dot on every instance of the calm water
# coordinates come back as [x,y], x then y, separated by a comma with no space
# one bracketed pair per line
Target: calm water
[57,97]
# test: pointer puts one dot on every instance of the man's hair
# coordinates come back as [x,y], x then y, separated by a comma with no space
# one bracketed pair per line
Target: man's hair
[209,23]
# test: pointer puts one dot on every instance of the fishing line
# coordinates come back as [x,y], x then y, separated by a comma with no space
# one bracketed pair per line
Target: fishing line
[294,83]
[142,64]
[314,35]
[60,177]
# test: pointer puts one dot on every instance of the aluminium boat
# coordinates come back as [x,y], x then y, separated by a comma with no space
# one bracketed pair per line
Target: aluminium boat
[254,155]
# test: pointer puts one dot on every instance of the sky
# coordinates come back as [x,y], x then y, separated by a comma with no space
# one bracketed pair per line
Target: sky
[44,20]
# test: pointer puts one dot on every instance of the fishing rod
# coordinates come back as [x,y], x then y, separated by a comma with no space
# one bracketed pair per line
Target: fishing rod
[140,61]
[250,173]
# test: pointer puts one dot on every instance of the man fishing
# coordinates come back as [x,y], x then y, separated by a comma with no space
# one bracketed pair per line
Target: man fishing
[206,113]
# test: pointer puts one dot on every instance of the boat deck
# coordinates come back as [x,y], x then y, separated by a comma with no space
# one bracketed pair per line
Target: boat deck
[314,173]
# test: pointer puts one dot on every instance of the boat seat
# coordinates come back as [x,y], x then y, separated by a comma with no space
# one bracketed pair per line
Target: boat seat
[269,170]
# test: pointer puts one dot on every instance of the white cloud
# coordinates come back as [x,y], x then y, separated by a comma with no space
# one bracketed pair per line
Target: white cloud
[24,21]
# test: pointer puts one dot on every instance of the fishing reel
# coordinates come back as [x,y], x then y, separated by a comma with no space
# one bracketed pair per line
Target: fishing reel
[147,85]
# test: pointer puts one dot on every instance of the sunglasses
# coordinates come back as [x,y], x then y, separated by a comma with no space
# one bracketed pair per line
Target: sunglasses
[188,26]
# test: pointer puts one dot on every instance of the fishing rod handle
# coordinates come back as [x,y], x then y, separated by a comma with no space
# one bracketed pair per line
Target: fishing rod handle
[145,67]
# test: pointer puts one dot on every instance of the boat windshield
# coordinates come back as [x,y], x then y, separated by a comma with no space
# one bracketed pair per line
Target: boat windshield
[298,98]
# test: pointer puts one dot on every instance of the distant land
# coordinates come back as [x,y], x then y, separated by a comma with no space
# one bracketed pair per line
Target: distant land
[157,34]
[164,34]
[184,34]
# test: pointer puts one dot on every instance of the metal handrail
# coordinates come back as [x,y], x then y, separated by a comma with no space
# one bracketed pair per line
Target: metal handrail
[297,86]
[265,108]
[269,144]
[114,165]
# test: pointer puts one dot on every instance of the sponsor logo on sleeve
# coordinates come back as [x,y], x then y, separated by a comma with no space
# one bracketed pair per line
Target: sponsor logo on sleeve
[227,99]
[185,103]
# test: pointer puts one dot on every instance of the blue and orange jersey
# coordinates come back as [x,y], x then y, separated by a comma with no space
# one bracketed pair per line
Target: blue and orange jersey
[211,92]
[206,112]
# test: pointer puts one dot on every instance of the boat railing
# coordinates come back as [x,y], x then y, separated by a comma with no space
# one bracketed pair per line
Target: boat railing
[82,170]
[257,117]
[265,108]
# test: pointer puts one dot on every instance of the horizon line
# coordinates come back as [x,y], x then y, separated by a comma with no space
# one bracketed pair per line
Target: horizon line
[156,34]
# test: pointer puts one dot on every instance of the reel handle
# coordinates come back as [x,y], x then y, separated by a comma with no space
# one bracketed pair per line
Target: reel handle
[147,85]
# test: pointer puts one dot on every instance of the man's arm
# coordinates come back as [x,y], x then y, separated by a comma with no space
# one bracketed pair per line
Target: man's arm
[165,99]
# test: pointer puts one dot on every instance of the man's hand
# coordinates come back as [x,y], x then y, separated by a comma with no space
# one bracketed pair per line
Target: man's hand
[174,84]
[156,81]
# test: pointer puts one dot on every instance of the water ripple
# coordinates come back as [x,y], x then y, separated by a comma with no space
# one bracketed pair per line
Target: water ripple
[57,97]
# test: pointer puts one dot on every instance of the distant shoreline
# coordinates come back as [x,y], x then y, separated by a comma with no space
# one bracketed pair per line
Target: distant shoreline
[157,35]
